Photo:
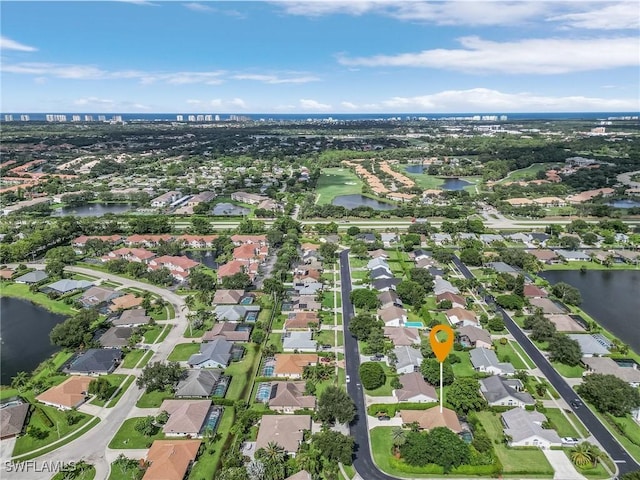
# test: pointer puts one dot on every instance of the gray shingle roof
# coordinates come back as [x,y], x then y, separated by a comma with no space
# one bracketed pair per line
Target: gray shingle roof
[496,388]
[218,351]
[68,285]
[483,357]
[198,383]
[521,424]
[32,277]
[96,360]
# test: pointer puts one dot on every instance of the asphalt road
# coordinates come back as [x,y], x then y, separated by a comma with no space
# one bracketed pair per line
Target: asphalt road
[363,462]
[619,455]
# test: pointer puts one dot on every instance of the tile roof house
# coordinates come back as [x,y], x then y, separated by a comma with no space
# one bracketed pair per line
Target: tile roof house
[409,359]
[69,394]
[533,291]
[299,341]
[197,241]
[287,397]
[95,361]
[607,366]
[82,240]
[237,266]
[131,318]
[305,302]
[186,417]
[461,316]
[547,305]
[68,285]
[308,288]
[198,383]
[544,255]
[214,354]
[525,429]
[485,360]
[228,331]
[415,389]
[139,255]
[499,391]
[227,297]
[432,418]
[32,277]
[251,253]
[115,337]
[589,344]
[171,459]
[97,296]
[12,418]
[148,240]
[234,313]
[389,299]
[456,300]
[402,336]
[301,320]
[250,239]
[292,365]
[474,337]
[284,430]
[125,302]
[378,254]
[393,316]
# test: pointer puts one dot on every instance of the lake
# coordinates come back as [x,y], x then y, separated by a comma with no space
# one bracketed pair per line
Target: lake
[415,169]
[624,204]
[454,184]
[357,200]
[611,297]
[229,210]
[92,209]
[24,334]
[205,257]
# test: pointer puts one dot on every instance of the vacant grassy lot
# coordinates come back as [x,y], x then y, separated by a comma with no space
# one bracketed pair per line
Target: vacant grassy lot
[561,424]
[506,353]
[129,437]
[153,399]
[115,379]
[464,367]
[337,181]
[19,290]
[567,370]
[183,351]
[132,358]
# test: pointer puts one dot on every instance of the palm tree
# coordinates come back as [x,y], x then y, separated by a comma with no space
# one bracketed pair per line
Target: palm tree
[20,380]
[398,437]
[256,470]
[310,460]
[581,455]
[189,302]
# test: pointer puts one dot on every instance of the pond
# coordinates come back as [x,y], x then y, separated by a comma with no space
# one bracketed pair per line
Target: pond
[610,297]
[229,210]
[415,168]
[357,200]
[205,257]
[93,209]
[624,204]
[454,184]
[24,334]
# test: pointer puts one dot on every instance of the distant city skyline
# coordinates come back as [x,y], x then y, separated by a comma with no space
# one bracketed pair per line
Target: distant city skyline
[320,57]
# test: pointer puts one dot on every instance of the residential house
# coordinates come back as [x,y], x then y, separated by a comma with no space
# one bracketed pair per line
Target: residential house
[389,239]
[35,276]
[229,331]
[186,417]
[545,255]
[420,254]
[608,366]
[139,255]
[301,321]
[415,389]
[441,238]
[305,302]
[12,418]
[456,300]
[68,285]
[389,299]
[380,272]
[288,397]
[71,393]
[202,197]
[470,336]
[179,266]
[125,302]
[214,354]
[546,305]
[488,238]
[227,297]
[292,365]
[486,361]
[171,459]
[284,430]
[115,337]
[385,284]
[308,288]
[197,241]
[166,199]
[250,198]
[590,345]
[402,336]
[367,238]
[237,266]
[432,418]
[147,240]
[302,276]
[95,361]
[242,239]
[524,429]
[378,263]
[251,252]
[81,241]
[198,383]
[408,358]
[132,318]
[461,316]
[499,391]
[573,255]
[393,316]
[379,253]
[533,291]
[440,285]
[502,267]
[299,342]
[96,296]
[236,313]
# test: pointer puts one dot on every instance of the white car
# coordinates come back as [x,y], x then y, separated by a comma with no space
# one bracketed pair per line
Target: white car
[570,441]
[348,378]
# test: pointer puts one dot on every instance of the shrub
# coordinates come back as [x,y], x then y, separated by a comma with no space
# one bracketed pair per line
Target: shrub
[372,375]
[44,418]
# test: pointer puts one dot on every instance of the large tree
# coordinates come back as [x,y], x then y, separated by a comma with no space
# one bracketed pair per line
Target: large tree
[564,349]
[411,292]
[471,256]
[335,404]
[364,298]
[430,370]
[328,251]
[372,375]
[464,395]
[609,394]
[237,281]
[423,277]
[159,376]
[363,324]
[567,293]
[446,448]
[334,446]
[74,331]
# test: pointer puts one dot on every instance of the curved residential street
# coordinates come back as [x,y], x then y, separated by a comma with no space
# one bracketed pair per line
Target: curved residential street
[92,446]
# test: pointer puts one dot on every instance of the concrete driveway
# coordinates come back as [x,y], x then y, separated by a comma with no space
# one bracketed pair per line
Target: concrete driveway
[562,467]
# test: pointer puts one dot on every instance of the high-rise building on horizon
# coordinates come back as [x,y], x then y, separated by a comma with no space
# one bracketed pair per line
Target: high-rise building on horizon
[8,118]
[180,118]
[24,118]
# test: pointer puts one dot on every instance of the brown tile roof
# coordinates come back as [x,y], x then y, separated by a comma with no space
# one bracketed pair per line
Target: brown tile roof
[229,297]
[431,418]
[461,314]
[291,394]
[284,430]
[125,302]
[228,331]
[543,254]
[12,419]
[6,274]
[170,459]
[301,320]
[70,393]
[185,416]
[402,336]
[413,384]
[531,290]
[293,363]
[452,297]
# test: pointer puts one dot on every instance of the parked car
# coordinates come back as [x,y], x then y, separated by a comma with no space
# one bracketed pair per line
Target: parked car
[577,403]
[570,441]
[384,417]
[348,378]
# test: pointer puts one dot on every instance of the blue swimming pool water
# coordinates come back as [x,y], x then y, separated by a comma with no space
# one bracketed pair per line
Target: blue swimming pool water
[251,317]
[212,419]
[246,301]
[264,392]
[414,324]
[267,371]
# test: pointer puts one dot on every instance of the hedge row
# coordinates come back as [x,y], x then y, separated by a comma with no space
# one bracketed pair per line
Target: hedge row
[44,418]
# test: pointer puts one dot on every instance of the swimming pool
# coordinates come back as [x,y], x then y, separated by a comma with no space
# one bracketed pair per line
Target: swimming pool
[264,392]
[414,324]
[251,317]
[212,419]
[221,387]
[246,301]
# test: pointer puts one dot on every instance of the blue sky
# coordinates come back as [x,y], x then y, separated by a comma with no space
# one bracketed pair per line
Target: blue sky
[321,56]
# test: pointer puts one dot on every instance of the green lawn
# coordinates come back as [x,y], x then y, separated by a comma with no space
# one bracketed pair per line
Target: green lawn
[153,399]
[589,266]
[386,389]
[567,370]
[80,276]
[630,439]
[128,437]
[59,359]
[561,424]
[327,299]
[516,346]
[19,290]
[7,392]
[207,463]
[382,444]
[464,367]
[26,443]
[115,379]
[118,474]
[87,473]
[424,181]
[241,373]
[336,181]
[598,472]
[350,471]
[152,333]
[528,172]
[183,351]
[164,334]
[123,388]
[275,339]
[357,262]
[325,337]
[110,284]
[132,358]
[191,332]
[506,353]
[514,460]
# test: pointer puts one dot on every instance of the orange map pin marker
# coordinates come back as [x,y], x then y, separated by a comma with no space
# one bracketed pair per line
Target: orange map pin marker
[441,349]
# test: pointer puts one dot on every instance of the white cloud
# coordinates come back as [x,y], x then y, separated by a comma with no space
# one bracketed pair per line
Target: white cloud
[322,8]
[487,100]
[274,79]
[192,101]
[528,56]
[624,15]
[349,105]
[198,7]
[308,104]
[238,102]
[142,3]
[108,105]
[8,44]
[94,101]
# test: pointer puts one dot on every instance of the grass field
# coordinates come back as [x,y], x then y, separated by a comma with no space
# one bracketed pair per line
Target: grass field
[386,389]
[87,473]
[423,180]
[464,367]
[507,353]
[589,266]
[631,437]
[241,373]
[183,351]
[514,460]
[560,423]
[516,346]
[115,379]
[152,333]
[207,463]
[337,181]
[19,290]
[567,370]
[132,358]
[128,437]
[529,172]
[153,399]
[123,388]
